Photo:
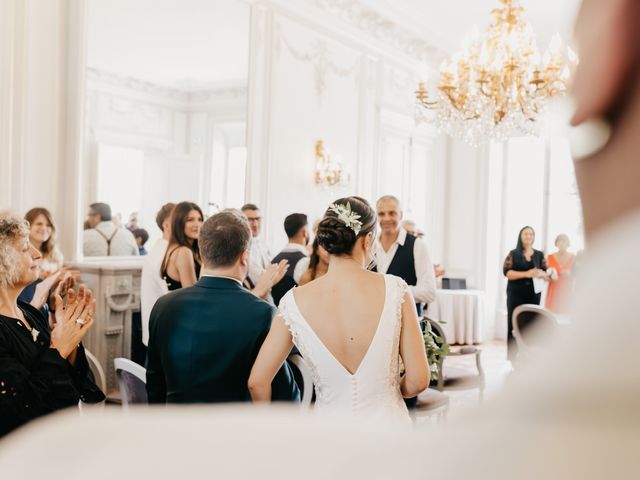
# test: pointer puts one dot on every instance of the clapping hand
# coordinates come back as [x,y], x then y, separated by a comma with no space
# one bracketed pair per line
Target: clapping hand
[72,321]
[272,275]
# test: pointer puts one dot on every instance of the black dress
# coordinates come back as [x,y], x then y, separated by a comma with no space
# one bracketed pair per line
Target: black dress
[520,291]
[172,283]
[35,379]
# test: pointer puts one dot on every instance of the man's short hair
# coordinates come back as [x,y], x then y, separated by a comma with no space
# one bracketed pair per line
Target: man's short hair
[142,234]
[249,206]
[294,222]
[103,210]
[164,213]
[387,198]
[223,238]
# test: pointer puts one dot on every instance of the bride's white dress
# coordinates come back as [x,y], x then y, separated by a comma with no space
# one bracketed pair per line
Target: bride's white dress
[373,391]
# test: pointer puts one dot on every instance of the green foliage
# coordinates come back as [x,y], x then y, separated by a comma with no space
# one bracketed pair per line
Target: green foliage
[436,349]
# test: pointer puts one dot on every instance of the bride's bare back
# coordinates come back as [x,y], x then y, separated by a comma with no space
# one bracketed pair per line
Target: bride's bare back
[344,312]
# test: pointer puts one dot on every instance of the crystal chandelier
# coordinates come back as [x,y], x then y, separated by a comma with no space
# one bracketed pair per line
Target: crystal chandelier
[328,172]
[498,85]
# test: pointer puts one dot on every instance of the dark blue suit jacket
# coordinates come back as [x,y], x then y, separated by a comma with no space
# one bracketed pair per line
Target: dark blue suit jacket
[203,341]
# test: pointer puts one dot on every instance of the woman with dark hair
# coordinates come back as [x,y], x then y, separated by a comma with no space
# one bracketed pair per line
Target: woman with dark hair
[521,267]
[181,264]
[352,326]
[40,370]
[318,263]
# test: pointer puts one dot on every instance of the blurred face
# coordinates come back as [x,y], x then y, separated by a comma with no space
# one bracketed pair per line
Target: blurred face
[93,218]
[323,255]
[40,230]
[527,236]
[28,259]
[562,244]
[255,221]
[193,224]
[389,216]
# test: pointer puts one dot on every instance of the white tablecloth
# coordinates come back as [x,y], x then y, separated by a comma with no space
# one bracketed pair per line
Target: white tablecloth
[463,312]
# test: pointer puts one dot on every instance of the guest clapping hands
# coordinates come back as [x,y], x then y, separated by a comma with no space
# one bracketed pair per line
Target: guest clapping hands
[40,371]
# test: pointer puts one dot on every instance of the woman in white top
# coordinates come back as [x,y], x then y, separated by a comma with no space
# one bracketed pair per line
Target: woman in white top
[352,326]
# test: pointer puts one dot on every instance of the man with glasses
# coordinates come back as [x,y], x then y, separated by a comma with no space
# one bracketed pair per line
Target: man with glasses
[259,254]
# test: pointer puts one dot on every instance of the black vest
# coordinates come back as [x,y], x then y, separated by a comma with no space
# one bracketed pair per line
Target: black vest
[403,265]
[287,282]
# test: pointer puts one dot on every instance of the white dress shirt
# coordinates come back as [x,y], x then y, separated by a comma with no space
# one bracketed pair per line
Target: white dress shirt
[303,263]
[152,285]
[425,289]
[259,258]
[95,245]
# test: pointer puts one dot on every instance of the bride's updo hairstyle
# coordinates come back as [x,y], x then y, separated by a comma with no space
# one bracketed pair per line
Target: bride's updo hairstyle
[339,228]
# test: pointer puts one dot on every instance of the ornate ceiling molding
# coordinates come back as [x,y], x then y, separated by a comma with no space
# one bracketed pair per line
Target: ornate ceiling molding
[373,23]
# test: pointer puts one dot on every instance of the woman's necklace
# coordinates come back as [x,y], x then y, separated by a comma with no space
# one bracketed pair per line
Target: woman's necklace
[34,332]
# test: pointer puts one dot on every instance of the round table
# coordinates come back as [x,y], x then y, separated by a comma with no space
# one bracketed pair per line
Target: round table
[463,314]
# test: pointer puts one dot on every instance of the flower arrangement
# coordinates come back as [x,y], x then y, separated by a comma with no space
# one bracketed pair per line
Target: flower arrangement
[436,349]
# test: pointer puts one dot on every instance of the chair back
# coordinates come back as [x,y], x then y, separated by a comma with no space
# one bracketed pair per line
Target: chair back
[533,326]
[454,283]
[99,378]
[302,375]
[132,380]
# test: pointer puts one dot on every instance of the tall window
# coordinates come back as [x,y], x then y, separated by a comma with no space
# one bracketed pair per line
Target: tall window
[228,167]
[120,179]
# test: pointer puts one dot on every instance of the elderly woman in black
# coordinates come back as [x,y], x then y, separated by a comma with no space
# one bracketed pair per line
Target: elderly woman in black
[41,370]
[521,266]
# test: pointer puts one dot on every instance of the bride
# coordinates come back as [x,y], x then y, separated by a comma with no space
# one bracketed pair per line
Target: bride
[351,326]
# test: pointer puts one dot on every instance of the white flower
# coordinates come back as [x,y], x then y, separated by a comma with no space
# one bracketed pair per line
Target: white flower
[347,216]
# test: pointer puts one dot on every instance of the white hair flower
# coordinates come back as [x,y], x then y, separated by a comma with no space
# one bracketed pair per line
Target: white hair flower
[347,216]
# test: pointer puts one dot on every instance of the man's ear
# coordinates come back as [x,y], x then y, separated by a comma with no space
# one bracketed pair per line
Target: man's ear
[244,258]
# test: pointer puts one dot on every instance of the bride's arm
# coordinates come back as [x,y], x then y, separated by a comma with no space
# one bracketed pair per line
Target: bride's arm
[273,353]
[416,368]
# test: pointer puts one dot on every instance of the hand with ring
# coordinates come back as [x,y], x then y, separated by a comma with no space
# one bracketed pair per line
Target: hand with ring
[73,320]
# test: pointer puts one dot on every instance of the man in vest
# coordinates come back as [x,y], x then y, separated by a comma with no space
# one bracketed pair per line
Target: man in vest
[103,238]
[403,255]
[296,227]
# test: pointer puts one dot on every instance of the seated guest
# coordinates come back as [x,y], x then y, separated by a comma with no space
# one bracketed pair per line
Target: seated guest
[104,238]
[181,264]
[141,236]
[40,370]
[295,252]
[152,285]
[204,339]
[42,235]
[318,264]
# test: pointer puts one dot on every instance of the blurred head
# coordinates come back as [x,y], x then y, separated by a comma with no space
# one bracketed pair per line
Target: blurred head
[163,217]
[389,213]
[133,218]
[186,222]
[526,238]
[42,230]
[339,239]
[98,212]
[141,236]
[296,228]
[224,241]
[319,256]
[562,242]
[19,260]
[410,227]
[252,212]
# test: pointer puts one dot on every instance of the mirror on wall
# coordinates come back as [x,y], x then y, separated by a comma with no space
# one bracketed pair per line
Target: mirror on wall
[165,107]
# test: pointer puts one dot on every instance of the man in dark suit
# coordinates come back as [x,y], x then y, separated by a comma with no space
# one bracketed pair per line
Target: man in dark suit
[204,339]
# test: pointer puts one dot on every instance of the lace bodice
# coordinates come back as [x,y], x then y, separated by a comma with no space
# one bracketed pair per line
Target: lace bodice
[373,390]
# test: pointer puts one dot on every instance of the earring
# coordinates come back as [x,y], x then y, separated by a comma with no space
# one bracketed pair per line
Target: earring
[588,138]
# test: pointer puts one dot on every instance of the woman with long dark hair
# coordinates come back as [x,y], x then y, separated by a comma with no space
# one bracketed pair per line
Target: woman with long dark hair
[181,264]
[318,263]
[521,266]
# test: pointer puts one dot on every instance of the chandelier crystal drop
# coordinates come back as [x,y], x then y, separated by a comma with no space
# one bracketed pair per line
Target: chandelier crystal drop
[498,85]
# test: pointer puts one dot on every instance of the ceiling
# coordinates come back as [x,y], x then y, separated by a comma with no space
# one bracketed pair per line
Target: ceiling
[185,44]
[446,22]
